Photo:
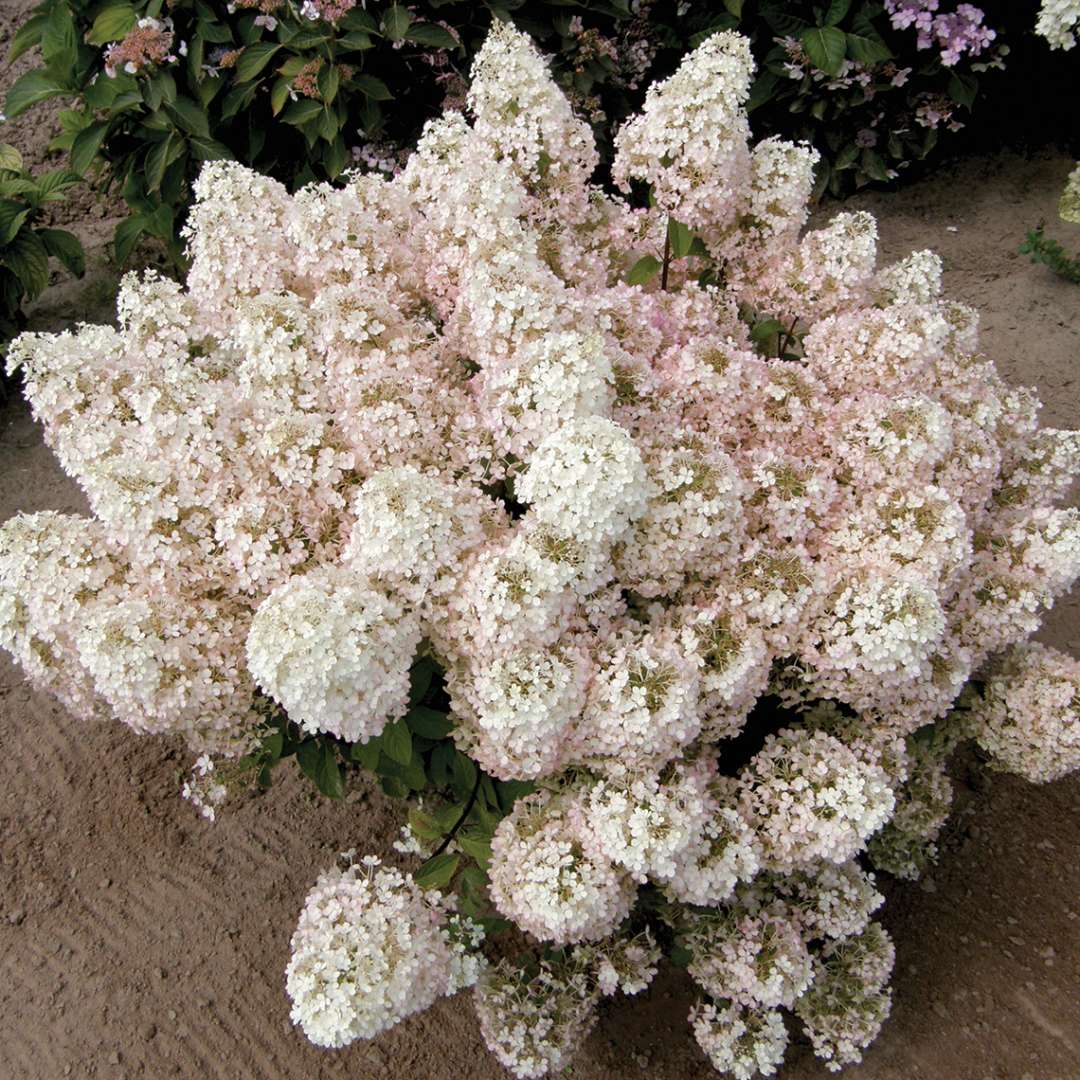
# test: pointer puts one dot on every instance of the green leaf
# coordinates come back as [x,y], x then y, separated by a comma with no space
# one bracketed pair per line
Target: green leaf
[643,270]
[396,742]
[395,22]
[209,149]
[394,787]
[431,34]
[59,43]
[53,184]
[302,111]
[442,764]
[27,257]
[279,95]
[429,722]
[12,216]
[126,236]
[27,36]
[61,245]
[10,158]
[698,248]
[509,791]
[272,746]
[963,88]
[680,956]
[463,775]
[157,160]
[437,872]
[767,328]
[189,116]
[309,757]
[825,46]
[836,11]
[34,87]
[864,44]
[372,87]
[679,237]
[411,774]
[475,847]
[367,754]
[424,826]
[253,59]
[86,146]
[329,81]
[328,777]
[734,7]
[846,157]
[357,41]
[420,676]
[112,24]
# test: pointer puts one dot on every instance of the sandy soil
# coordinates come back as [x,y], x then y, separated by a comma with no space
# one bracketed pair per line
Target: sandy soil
[138,941]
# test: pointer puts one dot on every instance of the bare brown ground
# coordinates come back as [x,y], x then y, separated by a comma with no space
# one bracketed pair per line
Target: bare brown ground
[138,941]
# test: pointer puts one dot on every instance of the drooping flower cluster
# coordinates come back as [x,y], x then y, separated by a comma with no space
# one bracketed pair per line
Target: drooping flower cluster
[696,583]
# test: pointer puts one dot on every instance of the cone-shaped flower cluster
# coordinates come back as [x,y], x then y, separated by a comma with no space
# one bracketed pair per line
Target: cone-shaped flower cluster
[432,408]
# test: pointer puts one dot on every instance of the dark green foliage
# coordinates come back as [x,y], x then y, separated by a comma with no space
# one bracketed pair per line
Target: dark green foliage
[25,245]
[1050,253]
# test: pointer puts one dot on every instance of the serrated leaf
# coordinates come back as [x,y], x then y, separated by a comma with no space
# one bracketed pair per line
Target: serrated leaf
[203,149]
[509,791]
[253,59]
[395,22]
[357,41]
[430,723]
[10,158]
[12,216]
[825,46]
[33,87]
[411,773]
[645,269]
[396,740]
[864,44]
[431,34]
[157,160]
[65,247]
[26,256]
[279,95]
[734,7]
[437,872]
[112,24]
[329,80]
[698,248]
[52,185]
[679,238]
[394,787]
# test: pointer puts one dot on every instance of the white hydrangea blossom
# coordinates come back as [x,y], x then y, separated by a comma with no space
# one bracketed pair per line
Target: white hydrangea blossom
[1028,719]
[740,1041]
[809,797]
[1056,21]
[335,652]
[544,877]
[369,950]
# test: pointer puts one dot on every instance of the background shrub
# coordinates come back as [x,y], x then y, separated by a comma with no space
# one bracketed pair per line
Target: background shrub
[303,91]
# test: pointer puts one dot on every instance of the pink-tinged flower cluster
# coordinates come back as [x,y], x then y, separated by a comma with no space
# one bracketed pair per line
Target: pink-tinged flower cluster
[953,32]
[148,44]
[431,408]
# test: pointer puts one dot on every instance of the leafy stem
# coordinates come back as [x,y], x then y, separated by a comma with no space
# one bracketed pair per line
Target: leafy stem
[461,820]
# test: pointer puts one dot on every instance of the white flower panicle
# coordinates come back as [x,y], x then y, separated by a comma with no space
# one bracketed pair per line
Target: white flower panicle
[429,413]
[371,949]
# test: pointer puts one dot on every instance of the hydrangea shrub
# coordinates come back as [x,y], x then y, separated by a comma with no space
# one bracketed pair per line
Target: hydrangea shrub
[649,545]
